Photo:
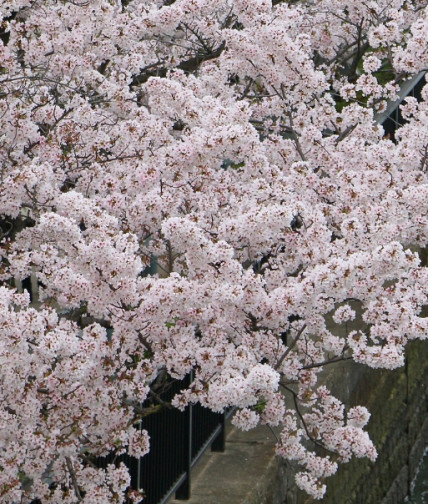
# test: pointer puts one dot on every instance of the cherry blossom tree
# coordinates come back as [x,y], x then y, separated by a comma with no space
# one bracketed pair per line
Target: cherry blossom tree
[233,145]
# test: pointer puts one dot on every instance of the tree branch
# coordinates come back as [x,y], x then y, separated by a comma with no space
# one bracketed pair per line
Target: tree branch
[326,362]
[73,479]
[190,65]
[293,343]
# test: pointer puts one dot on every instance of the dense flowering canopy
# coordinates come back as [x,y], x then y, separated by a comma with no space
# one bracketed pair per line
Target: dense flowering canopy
[233,144]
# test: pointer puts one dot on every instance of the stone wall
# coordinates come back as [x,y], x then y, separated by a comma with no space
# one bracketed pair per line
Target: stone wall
[398,401]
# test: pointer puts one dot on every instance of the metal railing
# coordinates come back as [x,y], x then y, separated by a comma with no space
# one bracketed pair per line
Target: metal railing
[391,119]
[177,441]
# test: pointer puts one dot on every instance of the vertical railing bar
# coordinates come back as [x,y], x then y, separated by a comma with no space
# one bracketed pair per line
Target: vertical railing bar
[219,443]
[140,425]
[183,492]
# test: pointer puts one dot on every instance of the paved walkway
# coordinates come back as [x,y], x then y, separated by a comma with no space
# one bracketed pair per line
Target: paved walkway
[246,473]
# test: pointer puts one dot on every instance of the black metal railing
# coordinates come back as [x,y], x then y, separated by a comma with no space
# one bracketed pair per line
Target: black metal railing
[391,119]
[177,440]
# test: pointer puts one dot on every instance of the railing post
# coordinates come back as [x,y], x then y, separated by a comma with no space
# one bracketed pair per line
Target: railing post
[183,491]
[219,443]
[138,482]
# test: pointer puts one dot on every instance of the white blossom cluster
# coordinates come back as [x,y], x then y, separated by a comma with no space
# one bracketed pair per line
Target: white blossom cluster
[200,186]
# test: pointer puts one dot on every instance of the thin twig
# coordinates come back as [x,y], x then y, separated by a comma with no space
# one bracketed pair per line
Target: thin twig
[326,362]
[302,420]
